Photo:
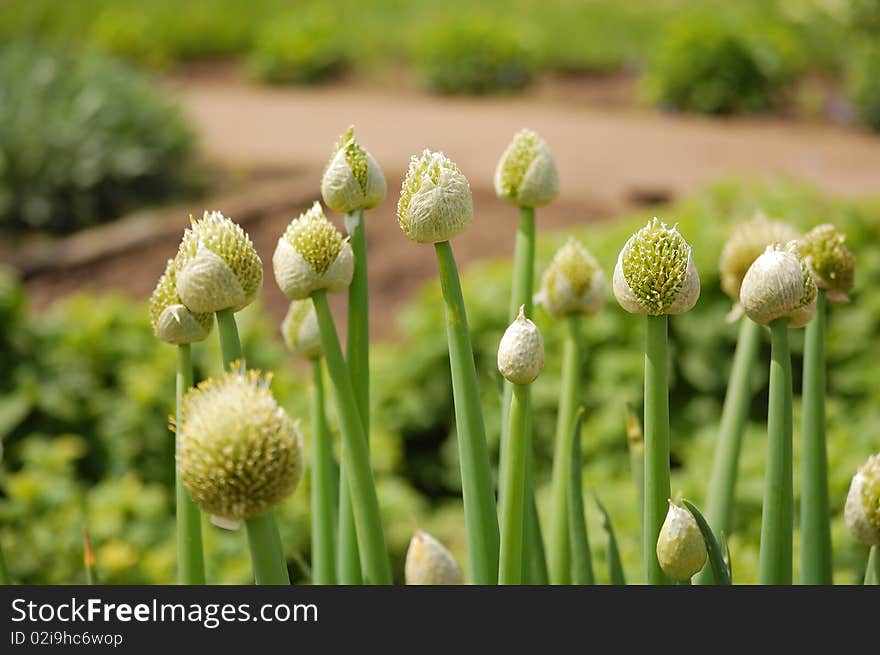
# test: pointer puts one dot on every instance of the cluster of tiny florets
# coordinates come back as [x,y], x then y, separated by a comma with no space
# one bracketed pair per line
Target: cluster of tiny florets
[655,265]
[191,326]
[830,261]
[315,238]
[517,159]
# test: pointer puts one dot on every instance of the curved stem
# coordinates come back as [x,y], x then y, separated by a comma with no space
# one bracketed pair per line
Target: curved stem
[816,566]
[368,520]
[514,485]
[656,430]
[480,516]
[581,559]
[616,575]
[569,397]
[269,568]
[190,554]
[323,507]
[872,572]
[776,515]
[722,481]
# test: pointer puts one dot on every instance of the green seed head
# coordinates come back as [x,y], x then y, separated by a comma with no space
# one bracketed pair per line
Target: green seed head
[655,273]
[830,261]
[300,329]
[217,266]
[521,351]
[172,322]
[526,173]
[747,242]
[681,549]
[779,285]
[435,199]
[239,453]
[352,179]
[312,255]
[428,562]
[862,509]
[573,283]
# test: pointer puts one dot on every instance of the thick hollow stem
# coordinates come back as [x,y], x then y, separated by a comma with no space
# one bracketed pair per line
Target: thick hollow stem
[190,554]
[776,515]
[348,564]
[872,572]
[514,485]
[368,520]
[535,566]
[481,520]
[569,397]
[581,559]
[722,482]
[656,430]
[323,508]
[815,512]
[269,568]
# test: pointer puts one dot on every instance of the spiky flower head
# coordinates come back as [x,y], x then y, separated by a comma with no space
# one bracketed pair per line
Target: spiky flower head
[862,509]
[300,329]
[830,261]
[217,265]
[312,255]
[352,179]
[655,273]
[239,454]
[172,322]
[747,242]
[435,199]
[681,549]
[428,562]
[779,285]
[573,283]
[526,173]
[521,351]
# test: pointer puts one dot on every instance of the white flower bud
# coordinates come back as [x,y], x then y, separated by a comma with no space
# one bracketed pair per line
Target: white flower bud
[428,562]
[300,329]
[521,351]
[655,273]
[526,173]
[172,322]
[779,285]
[312,255]
[573,283]
[681,549]
[862,510]
[352,179]
[435,199]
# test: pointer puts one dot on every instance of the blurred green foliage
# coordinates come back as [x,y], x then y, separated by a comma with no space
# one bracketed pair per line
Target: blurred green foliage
[301,51]
[87,389]
[864,84]
[82,139]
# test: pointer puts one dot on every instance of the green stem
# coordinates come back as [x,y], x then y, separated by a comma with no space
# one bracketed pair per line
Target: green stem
[581,559]
[368,520]
[481,520]
[190,554]
[815,512]
[569,397]
[776,516]
[872,572]
[722,482]
[536,557]
[616,575]
[5,578]
[269,568]
[323,508]
[721,574]
[656,428]
[230,348]
[514,485]
[358,360]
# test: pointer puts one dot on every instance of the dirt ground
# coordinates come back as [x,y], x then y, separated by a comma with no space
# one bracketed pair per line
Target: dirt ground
[611,157]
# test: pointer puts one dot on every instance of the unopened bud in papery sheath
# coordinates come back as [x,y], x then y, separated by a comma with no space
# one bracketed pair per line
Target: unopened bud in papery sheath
[830,261]
[655,273]
[428,562]
[862,510]
[521,351]
[573,283]
[217,266]
[171,320]
[300,329]
[312,255]
[352,179]
[526,173]
[681,549]
[779,285]
[435,199]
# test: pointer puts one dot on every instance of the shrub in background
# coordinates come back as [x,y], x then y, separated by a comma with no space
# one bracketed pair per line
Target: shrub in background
[864,86]
[473,57]
[298,51]
[716,66]
[82,139]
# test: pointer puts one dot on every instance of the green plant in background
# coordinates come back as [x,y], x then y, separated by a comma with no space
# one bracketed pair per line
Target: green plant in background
[298,51]
[82,139]
[864,85]
[473,56]
[778,290]
[351,184]
[655,276]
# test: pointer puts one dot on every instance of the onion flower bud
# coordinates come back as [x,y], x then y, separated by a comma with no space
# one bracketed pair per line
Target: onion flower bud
[526,173]
[779,285]
[830,261]
[300,329]
[172,322]
[862,510]
[573,283]
[428,562]
[681,549]
[521,351]
[352,179]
